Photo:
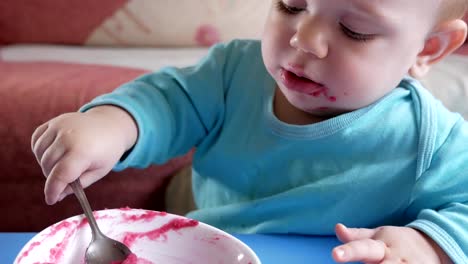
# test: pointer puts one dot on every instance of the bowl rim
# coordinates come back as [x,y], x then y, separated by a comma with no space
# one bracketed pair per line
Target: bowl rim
[244,246]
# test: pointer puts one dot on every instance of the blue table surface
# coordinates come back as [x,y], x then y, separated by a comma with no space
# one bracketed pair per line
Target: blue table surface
[271,249]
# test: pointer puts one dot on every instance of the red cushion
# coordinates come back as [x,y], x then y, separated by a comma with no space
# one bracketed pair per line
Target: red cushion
[32,93]
[53,21]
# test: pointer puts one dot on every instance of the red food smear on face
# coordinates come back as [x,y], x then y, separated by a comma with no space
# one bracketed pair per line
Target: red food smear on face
[324,92]
[304,85]
[174,224]
[316,93]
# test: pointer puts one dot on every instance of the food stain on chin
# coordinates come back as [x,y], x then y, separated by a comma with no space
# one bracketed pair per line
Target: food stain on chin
[323,91]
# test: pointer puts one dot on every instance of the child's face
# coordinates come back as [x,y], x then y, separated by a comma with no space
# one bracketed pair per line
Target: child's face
[350,52]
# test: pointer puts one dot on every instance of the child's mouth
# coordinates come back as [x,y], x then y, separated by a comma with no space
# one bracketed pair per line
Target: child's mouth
[301,84]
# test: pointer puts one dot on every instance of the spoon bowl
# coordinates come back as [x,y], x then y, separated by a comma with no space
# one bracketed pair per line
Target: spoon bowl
[106,250]
[101,249]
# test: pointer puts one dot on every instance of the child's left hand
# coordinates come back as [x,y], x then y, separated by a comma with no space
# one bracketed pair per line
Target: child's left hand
[386,244]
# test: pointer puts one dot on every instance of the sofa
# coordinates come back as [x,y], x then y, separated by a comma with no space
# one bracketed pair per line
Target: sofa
[57,55]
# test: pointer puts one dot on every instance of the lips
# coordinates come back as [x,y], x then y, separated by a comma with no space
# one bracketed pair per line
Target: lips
[301,84]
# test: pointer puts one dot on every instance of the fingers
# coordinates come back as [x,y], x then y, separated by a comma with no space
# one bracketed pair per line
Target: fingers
[359,245]
[37,133]
[51,156]
[364,250]
[346,234]
[86,179]
[68,169]
[41,140]
[91,176]
[68,190]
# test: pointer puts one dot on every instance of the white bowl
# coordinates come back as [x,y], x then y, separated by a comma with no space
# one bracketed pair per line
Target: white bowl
[154,237]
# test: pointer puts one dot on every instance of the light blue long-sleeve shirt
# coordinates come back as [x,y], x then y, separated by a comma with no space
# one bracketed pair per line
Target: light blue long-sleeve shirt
[400,161]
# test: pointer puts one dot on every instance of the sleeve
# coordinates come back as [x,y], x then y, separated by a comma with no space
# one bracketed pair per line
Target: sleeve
[440,198]
[174,108]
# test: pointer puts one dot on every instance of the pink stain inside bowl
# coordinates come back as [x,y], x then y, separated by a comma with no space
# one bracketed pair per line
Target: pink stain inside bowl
[147,216]
[26,253]
[68,229]
[174,224]
[56,253]
[133,259]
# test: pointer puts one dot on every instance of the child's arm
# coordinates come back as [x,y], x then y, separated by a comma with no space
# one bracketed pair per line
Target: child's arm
[81,145]
[146,121]
[387,243]
[175,109]
[149,120]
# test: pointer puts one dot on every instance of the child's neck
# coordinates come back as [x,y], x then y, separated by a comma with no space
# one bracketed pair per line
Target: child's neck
[289,114]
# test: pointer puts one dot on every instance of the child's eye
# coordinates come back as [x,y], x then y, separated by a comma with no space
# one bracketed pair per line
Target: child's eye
[355,35]
[290,10]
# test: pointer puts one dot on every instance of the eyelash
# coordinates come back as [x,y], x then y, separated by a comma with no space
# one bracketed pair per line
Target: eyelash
[286,9]
[355,35]
[290,10]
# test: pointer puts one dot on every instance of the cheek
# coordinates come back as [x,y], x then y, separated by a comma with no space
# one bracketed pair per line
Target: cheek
[356,81]
[278,31]
[368,66]
[349,73]
[268,55]
[275,44]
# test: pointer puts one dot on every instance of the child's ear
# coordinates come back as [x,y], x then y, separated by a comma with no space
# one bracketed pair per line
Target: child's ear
[445,39]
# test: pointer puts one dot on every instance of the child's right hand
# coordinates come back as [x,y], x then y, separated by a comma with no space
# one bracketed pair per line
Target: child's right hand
[81,145]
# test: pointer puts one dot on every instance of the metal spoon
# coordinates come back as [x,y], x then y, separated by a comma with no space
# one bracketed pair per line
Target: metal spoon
[102,249]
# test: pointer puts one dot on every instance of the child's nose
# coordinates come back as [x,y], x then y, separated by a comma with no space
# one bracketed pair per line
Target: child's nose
[311,37]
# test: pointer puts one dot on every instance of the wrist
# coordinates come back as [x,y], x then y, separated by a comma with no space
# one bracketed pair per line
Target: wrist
[120,123]
[443,257]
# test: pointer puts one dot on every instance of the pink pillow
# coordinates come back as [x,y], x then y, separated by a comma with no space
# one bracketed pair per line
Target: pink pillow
[130,23]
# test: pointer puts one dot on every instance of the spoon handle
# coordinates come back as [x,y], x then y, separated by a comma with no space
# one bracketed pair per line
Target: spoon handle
[81,196]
